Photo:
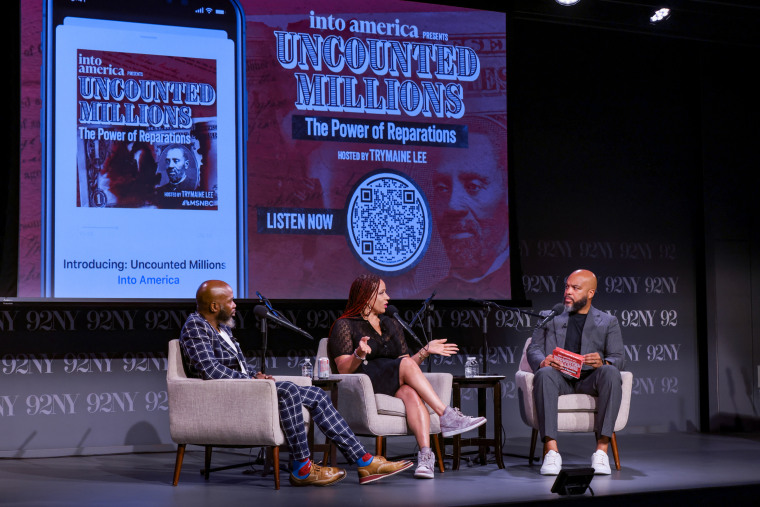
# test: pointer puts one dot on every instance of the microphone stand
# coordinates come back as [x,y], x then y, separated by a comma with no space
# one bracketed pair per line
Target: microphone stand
[421,311]
[269,313]
[428,316]
[491,304]
[488,305]
[425,316]
[484,313]
[264,330]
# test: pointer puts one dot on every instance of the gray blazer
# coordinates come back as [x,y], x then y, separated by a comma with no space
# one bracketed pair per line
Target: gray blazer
[601,333]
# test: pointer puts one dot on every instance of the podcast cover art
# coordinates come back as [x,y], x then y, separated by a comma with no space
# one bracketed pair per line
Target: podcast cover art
[146,131]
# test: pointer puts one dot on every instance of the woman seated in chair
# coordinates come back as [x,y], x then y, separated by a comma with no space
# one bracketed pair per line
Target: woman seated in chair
[363,340]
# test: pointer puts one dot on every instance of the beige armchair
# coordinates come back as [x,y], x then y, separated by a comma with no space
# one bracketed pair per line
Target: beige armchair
[223,413]
[576,411]
[380,415]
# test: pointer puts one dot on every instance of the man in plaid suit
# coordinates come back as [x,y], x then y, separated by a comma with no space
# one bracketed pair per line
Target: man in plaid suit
[213,353]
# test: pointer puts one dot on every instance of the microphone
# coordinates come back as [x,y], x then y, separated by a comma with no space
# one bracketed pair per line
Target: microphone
[269,305]
[262,312]
[393,312]
[483,303]
[424,306]
[556,310]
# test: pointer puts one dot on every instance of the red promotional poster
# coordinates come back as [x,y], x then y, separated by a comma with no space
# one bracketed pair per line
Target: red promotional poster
[378,143]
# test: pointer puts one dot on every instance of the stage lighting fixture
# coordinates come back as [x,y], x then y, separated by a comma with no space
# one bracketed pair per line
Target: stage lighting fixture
[573,481]
[659,15]
[567,2]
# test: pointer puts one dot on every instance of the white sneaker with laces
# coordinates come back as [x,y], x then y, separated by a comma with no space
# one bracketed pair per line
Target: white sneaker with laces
[552,463]
[425,465]
[601,463]
[454,422]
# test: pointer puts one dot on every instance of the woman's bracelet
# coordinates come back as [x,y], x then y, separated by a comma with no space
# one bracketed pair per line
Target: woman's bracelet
[363,360]
[420,353]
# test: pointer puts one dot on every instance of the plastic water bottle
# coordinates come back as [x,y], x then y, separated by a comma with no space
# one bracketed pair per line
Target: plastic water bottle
[471,367]
[307,370]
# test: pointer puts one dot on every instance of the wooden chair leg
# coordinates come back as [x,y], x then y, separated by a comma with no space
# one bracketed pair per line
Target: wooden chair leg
[437,450]
[207,471]
[533,440]
[615,454]
[276,463]
[178,463]
[268,455]
[380,446]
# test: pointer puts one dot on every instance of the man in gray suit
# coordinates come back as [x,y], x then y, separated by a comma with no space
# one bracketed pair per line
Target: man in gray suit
[595,335]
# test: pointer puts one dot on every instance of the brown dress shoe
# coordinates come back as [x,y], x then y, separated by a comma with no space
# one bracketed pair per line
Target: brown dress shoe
[381,468]
[319,476]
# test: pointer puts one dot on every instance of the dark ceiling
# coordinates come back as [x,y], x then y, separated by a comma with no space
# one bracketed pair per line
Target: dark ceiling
[710,21]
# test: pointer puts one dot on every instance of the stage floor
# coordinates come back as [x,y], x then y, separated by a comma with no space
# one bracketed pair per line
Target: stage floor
[656,469]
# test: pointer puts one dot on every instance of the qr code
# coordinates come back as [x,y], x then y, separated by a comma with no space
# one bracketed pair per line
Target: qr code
[389,223]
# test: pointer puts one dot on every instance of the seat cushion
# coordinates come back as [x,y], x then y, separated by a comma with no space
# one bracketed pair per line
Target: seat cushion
[390,405]
[576,402]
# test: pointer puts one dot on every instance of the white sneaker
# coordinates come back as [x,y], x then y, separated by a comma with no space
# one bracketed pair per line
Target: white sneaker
[552,463]
[601,463]
[454,422]
[425,465]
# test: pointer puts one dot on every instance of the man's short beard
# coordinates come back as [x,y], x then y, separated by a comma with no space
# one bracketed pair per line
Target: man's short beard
[176,179]
[464,254]
[227,320]
[577,305]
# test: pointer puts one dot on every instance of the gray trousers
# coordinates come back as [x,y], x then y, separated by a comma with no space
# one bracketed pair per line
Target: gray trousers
[604,383]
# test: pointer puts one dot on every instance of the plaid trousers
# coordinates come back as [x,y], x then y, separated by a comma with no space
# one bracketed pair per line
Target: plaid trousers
[291,398]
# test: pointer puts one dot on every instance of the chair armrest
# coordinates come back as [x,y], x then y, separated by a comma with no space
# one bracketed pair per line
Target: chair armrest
[442,384]
[524,384]
[357,400]
[625,402]
[223,412]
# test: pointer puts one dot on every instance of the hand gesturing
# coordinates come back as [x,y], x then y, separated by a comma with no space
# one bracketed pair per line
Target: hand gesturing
[363,349]
[442,348]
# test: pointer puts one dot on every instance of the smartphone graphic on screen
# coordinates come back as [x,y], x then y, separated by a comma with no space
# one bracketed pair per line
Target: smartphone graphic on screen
[143,148]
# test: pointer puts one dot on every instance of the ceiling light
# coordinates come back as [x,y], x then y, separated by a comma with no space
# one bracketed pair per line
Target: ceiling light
[660,15]
[567,2]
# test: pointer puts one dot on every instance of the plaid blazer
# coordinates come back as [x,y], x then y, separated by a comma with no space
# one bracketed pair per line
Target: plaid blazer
[208,354]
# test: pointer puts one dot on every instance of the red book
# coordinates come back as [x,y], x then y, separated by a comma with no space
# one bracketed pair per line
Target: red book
[570,361]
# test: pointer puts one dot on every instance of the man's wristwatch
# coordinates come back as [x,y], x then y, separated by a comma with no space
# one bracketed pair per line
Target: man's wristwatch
[362,359]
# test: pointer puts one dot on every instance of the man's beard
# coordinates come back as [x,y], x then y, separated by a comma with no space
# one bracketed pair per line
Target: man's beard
[227,319]
[577,305]
[464,253]
[472,256]
[175,176]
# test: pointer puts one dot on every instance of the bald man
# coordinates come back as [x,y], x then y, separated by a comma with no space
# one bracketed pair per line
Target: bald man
[213,353]
[585,330]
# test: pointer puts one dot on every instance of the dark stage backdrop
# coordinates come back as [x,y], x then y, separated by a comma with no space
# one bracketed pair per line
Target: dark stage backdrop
[603,153]
[606,149]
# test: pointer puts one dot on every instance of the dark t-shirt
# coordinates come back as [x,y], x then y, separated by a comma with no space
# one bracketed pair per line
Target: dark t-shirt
[575,324]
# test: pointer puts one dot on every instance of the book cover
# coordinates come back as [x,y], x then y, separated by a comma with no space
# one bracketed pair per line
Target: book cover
[570,361]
